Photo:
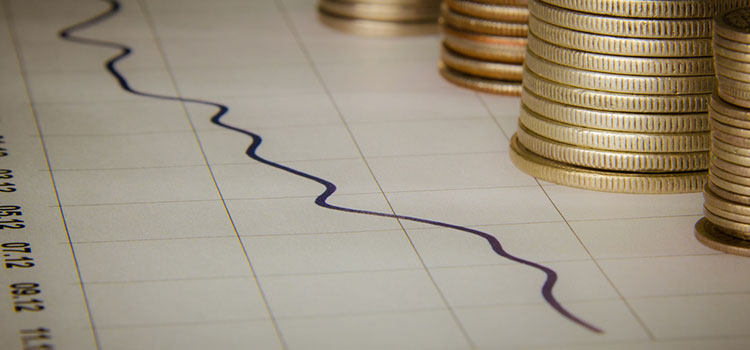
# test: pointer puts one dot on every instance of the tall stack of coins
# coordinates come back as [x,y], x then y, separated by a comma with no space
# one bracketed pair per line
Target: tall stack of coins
[726,226]
[484,43]
[381,17]
[616,93]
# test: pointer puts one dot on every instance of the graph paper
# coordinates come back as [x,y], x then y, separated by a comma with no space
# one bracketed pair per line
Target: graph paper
[186,174]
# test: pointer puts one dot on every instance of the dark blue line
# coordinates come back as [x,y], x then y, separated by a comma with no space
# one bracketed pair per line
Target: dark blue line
[330,188]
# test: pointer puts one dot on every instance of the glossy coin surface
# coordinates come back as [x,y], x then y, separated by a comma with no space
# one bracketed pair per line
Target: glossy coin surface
[618,26]
[731,44]
[376,28]
[490,11]
[484,26]
[379,11]
[713,237]
[651,9]
[734,24]
[734,92]
[740,230]
[487,85]
[649,66]
[604,181]
[727,176]
[494,70]
[508,49]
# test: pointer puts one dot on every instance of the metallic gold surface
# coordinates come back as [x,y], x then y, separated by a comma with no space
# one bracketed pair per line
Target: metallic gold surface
[731,139]
[485,26]
[734,91]
[649,66]
[733,64]
[377,28]
[612,160]
[612,45]
[490,11]
[739,230]
[608,101]
[509,49]
[623,27]
[737,169]
[727,176]
[728,195]
[713,237]
[729,111]
[380,11]
[614,140]
[731,44]
[487,85]
[645,85]
[734,24]
[720,205]
[651,9]
[567,175]
[626,122]
[480,68]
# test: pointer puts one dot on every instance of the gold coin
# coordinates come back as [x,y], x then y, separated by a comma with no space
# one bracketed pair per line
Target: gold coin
[717,125]
[651,9]
[485,69]
[734,24]
[612,45]
[734,92]
[643,85]
[721,118]
[713,237]
[730,157]
[626,122]
[366,27]
[509,49]
[719,205]
[650,66]
[731,44]
[613,140]
[623,27]
[731,54]
[740,230]
[611,160]
[728,110]
[731,139]
[605,181]
[723,71]
[730,186]
[732,149]
[713,171]
[484,26]
[490,11]
[732,64]
[729,215]
[730,167]
[380,12]
[499,87]
[609,101]
[727,194]
[505,2]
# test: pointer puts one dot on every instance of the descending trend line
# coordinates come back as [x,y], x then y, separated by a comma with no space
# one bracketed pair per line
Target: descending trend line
[322,199]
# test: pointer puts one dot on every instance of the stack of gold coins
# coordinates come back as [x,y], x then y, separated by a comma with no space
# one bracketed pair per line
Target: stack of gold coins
[616,93]
[381,17]
[484,43]
[726,226]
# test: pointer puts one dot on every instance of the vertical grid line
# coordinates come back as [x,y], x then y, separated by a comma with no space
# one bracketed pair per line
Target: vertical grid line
[152,30]
[320,79]
[24,76]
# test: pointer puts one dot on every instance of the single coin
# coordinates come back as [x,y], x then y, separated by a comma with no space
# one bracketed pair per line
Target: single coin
[484,26]
[485,69]
[490,11]
[731,139]
[609,101]
[605,181]
[613,140]
[719,205]
[730,167]
[623,27]
[649,66]
[731,44]
[727,176]
[729,110]
[505,2]
[499,87]
[643,85]
[726,194]
[651,9]
[733,64]
[740,230]
[625,122]
[508,49]
[611,45]
[611,160]
[734,92]
[734,24]
[714,237]
[366,27]
[379,11]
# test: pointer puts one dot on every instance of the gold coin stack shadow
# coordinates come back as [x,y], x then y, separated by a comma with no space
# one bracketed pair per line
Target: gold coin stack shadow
[484,43]
[381,17]
[726,225]
[616,93]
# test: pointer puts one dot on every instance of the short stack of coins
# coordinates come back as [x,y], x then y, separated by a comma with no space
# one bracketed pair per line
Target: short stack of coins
[616,93]
[381,17]
[726,225]
[484,43]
